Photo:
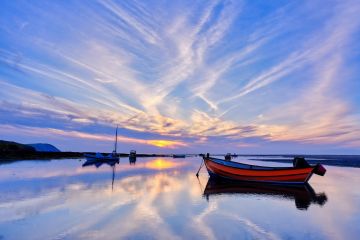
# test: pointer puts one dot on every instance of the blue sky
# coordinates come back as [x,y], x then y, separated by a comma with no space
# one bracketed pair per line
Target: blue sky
[182,76]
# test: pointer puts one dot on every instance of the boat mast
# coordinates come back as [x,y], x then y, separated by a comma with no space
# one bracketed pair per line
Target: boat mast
[116,137]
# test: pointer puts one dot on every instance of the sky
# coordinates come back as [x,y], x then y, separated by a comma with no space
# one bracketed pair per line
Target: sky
[255,77]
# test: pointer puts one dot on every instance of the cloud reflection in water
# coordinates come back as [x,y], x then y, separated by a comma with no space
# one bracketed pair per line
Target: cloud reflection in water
[160,198]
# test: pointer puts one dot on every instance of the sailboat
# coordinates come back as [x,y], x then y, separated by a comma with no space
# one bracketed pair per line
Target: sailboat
[101,157]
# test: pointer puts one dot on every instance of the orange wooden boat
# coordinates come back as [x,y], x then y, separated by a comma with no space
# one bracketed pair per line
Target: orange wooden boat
[300,173]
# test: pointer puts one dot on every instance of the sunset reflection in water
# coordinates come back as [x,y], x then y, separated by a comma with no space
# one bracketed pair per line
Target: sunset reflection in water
[163,163]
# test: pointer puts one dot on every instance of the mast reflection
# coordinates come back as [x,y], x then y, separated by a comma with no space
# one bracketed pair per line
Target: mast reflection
[303,195]
[97,164]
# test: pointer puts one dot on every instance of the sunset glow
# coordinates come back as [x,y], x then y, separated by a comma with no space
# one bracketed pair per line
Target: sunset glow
[166,143]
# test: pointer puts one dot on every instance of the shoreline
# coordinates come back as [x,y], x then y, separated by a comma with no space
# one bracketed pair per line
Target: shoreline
[14,156]
[332,160]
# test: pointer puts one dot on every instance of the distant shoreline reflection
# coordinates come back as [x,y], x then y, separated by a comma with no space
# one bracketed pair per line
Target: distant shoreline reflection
[303,195]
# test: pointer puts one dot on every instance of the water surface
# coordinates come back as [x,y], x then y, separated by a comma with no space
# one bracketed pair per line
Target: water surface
[161,198]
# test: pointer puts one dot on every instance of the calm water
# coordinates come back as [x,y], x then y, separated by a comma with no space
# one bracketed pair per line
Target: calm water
[161,198]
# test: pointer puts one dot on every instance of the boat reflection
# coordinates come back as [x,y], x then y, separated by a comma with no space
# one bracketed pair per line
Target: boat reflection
[303,195]
[132,160]
[97,164]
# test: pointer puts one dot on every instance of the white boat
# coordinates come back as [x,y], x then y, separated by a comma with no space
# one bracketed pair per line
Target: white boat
[104,157]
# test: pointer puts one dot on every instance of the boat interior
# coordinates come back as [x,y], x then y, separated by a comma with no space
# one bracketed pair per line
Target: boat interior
[244,165]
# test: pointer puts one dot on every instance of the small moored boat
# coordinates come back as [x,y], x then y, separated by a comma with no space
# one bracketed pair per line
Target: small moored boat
[300,173]
[132,157]
[103,157]
[97,157]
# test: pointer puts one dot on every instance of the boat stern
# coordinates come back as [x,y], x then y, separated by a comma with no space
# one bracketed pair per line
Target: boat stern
[319,170]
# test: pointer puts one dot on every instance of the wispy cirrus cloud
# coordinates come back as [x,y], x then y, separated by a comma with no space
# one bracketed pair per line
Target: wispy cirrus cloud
[319,115]
[197,72]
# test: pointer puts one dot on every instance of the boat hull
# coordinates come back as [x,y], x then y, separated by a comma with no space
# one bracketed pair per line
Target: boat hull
[250,173]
